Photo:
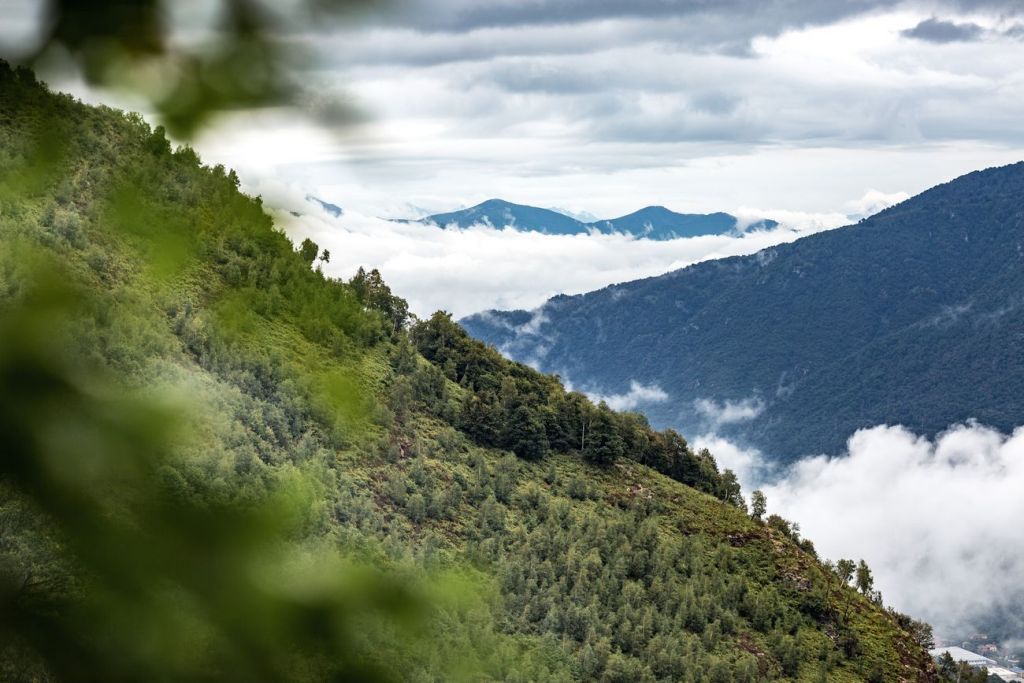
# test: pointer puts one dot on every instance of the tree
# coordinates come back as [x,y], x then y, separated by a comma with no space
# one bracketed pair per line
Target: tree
[947,667]
[482,419]
[326,256]
[308,250]
[758,504]
[416,507]
[923,634]
[730,490]
[402,396]
[865,581]
[527,436]
[604,444]
[374,294]
[920,630]
[844,570]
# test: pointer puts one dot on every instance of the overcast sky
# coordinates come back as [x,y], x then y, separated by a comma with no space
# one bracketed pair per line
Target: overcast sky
[605,106]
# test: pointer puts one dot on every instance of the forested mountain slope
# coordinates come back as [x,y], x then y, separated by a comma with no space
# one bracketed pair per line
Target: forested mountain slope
[220,465]
[912,316]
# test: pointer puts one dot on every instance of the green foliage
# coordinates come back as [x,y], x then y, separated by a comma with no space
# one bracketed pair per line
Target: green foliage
[221,465]
[509,405]
[308,250]
[952,672]
[864,580]
[375,295]
[758,505]
[174,384]
[128,45]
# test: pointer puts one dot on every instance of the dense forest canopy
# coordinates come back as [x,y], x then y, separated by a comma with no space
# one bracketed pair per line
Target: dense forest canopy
[222,465]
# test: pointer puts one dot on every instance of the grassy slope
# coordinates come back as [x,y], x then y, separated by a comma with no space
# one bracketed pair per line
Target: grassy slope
[761,554]
[271,392]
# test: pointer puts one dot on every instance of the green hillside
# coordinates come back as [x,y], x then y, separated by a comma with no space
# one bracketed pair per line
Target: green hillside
[221,465]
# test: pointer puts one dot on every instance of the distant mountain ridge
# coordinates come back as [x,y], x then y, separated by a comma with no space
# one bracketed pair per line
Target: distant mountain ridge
[913,316]
[332,209]
[652,222]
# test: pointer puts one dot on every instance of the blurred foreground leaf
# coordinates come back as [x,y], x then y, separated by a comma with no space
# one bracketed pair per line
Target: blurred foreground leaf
[176,583]
[244,58]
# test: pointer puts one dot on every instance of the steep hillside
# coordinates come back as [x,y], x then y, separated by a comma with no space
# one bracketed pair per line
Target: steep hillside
[912,316]
[652,222]
[221,465]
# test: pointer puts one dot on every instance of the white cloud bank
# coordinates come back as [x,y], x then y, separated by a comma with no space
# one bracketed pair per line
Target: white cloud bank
[941,522]
[469,270]
[638,394]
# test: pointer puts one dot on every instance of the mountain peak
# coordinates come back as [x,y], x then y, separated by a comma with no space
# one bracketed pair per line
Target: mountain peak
[659,222]
[652,222]
[500,213]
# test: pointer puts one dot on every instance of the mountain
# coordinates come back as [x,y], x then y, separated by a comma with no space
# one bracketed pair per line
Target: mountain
[657,222]
[221,465]
[911,316]
[652,222]
[500,213]
[331,209]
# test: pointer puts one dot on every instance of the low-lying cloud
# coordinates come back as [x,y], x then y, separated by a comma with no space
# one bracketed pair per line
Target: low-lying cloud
[482,267]
[939,521]
[638,395]
[729,411]
[748,464]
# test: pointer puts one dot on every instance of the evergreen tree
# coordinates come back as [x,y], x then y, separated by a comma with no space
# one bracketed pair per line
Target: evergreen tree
[308,251]
[526,434]
[481,419]
[604,443]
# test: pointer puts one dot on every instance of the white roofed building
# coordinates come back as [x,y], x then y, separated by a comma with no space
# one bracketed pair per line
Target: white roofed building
[1005,674]
[961,655]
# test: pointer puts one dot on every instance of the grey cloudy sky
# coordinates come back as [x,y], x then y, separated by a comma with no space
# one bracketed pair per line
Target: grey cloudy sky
[606,106]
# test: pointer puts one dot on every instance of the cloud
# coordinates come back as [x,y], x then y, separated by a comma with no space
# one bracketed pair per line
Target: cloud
[629,109]
[939,521]
[729,412]
[935,30]
[469,15]
[738,19]
[482,267]
[872,202]
[638,394]
[748,464]
[693,102]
